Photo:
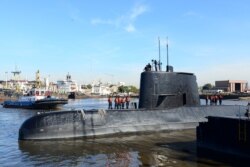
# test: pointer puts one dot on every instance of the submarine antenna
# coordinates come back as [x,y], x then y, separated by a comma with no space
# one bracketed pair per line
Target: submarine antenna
[159,63]
[167,56]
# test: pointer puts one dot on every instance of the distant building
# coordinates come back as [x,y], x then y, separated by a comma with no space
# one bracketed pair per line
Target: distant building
[68,85]
[1,85]
[53,87]
[114,89]
[100,89]
[18,85]
[232,85]
[121,84]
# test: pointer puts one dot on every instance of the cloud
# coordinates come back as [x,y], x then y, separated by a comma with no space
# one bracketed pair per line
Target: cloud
[137,11]
[125,21]
[130,28]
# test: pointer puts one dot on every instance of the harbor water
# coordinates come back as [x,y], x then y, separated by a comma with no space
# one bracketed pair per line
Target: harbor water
[176,148]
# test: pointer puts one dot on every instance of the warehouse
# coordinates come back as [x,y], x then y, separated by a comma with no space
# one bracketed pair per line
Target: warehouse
[232,85]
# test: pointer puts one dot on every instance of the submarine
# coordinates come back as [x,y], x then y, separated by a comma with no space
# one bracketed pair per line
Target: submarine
[168,101]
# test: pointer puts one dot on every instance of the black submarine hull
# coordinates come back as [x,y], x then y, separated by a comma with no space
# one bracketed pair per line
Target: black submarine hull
[94,123]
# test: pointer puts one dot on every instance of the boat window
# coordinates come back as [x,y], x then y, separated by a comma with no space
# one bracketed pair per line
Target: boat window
[37,93]
[42,93]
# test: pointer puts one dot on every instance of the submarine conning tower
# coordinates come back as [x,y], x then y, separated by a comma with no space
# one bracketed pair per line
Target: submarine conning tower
[167,89]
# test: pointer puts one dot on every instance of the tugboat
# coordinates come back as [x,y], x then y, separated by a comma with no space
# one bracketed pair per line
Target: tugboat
[72,95]
[37,98]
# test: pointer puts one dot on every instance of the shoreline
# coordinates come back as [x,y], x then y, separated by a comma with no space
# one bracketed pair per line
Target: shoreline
[229,96]
[3,97]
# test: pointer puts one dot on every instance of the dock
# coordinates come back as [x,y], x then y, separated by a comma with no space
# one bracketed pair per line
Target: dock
[224,136]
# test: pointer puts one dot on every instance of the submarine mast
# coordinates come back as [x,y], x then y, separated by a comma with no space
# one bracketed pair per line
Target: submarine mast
[167,54]
[159,63]
[168,67]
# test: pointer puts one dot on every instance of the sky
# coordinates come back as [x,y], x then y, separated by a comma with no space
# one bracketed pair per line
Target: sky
[113,40]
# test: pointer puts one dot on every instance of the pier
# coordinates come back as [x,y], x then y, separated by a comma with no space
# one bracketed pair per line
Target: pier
[224,136]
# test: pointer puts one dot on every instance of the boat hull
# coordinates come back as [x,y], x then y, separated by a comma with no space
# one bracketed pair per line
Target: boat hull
[93,123]
[39,104]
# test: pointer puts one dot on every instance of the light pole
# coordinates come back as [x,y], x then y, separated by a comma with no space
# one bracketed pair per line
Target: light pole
[6,75]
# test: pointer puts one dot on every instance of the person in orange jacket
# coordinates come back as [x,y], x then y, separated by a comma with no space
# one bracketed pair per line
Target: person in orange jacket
[120,103]
[116,102]
[127,99]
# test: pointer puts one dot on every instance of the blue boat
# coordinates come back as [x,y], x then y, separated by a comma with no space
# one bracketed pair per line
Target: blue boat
[36,99]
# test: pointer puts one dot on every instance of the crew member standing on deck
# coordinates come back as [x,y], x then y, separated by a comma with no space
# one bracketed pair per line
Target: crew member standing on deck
[116,102]
[220,99]
[207,98]
[215,99]
[123,102]
[110,102]
[120,102]
[127,101]
[211,100]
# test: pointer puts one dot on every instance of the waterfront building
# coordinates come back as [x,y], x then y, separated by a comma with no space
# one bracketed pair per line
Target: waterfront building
[121,84]
[18,85]
[53,87]
[81,88]
[100,89]
[67,86]
[1,85]
[114,89]
[232,85]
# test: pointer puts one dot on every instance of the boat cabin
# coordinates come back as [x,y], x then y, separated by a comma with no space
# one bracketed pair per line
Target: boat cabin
[39,92]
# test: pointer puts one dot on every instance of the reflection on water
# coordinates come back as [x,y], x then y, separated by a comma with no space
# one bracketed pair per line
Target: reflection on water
[159,149]
[177,148]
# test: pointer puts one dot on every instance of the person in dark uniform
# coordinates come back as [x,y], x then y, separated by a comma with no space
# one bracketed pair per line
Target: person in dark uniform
[148,67]
[220,99]
[207,98]
[110,102]
[155,63]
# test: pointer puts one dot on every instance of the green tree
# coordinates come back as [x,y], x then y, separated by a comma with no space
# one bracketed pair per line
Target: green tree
[133,89]
[207,86]
[89,86]
[127,89]
[122,89]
